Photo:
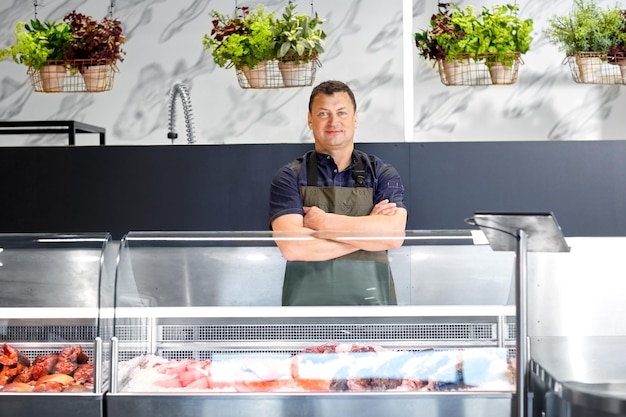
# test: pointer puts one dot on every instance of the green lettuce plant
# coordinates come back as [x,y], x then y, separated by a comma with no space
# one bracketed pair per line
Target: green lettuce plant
[244,39]
[503,34]
[298,37]
[452,34]
[587,28]
[39,42]
[465,42]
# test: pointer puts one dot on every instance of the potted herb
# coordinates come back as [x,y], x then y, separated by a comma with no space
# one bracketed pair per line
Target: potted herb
[427,41]
[587,33]
[299,40]
[244,40]
[42,47]
[96,48]
[451,41]
[502,38]
[496,36]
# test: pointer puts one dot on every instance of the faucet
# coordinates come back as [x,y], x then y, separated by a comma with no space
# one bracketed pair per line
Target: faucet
[180,89]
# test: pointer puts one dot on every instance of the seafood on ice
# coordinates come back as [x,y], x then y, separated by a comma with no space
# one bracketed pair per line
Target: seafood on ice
[326,368]
[66,371]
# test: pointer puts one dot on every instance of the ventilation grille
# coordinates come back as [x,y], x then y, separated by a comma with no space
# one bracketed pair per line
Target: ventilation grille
[12,334]
[325,332]
[225,341]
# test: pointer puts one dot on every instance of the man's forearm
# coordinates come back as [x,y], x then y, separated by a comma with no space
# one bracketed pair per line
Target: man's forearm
[313,249]
[374,232]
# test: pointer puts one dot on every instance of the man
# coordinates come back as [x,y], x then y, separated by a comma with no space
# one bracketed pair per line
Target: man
[332,192]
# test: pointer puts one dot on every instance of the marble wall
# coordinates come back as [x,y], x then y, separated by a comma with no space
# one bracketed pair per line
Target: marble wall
[400,96]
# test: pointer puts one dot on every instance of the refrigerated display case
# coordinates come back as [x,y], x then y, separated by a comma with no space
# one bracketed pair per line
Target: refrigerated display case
[199,330]
[56,315]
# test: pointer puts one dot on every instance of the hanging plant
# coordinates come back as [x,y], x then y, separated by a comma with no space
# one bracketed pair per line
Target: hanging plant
[245,41]
[298,37]
[267,52]
[42,46]
[462,41]
[242,40]
[96,48]
[299,41]
[588,27]
[441,26]
[95,40]
[39,42]
[79,43]
[587,34]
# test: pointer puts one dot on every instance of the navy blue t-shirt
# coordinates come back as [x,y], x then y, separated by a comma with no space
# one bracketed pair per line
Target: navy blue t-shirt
[285,195]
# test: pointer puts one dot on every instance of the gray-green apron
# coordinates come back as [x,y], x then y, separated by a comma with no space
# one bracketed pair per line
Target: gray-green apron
[359,278]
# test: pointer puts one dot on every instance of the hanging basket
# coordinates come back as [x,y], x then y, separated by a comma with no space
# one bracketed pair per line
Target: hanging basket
[480,69]
[275,73]
[73,76]
[595,68]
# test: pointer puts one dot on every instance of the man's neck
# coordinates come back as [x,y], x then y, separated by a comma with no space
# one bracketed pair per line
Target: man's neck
[342,157]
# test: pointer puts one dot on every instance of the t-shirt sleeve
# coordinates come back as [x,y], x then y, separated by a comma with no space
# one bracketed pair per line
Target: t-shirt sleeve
[389,185]
[285,194]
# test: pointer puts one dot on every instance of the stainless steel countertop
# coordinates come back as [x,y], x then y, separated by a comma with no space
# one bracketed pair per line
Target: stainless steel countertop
[589,372]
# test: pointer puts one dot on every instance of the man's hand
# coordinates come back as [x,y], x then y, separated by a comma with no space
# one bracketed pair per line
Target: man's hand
[314,218]
[384,208]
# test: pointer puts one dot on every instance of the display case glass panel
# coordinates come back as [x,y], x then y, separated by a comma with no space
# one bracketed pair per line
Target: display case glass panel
[56,316]
[200,312]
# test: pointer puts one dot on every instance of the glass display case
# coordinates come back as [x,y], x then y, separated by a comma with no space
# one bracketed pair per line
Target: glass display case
[199,329]
[56,321]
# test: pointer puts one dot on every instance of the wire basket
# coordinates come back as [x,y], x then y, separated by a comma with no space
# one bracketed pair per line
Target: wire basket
[479,70]
[597,68]
[73,76]
[278,74]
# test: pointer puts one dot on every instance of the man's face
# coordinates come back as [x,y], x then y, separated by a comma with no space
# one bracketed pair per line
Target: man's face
[333,120]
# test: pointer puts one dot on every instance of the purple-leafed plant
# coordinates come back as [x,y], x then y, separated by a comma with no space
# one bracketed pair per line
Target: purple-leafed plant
[617,53]
[441,25]
[97,40]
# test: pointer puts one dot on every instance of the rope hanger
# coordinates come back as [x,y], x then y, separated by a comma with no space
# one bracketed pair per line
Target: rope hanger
[111,7]
[290,1]
[109,14]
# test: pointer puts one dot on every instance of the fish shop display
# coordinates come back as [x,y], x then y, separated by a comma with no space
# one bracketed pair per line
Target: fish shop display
[331,367]
[70,370]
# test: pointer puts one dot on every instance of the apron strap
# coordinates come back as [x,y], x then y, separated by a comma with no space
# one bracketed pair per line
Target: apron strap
[311,170]
[358,173]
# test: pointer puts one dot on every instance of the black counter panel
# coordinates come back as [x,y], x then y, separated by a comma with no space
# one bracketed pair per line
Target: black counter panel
[226,187]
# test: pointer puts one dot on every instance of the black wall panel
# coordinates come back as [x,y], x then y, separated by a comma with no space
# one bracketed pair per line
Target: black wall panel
[226,187]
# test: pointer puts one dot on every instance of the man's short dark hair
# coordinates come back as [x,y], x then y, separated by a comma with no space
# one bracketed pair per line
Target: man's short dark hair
[329,88]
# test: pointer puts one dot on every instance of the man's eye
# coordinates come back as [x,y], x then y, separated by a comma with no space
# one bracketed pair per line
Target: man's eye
[343,113]
[322,115]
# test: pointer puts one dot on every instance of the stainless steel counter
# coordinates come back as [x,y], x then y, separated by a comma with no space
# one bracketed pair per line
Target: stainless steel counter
[579,376]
